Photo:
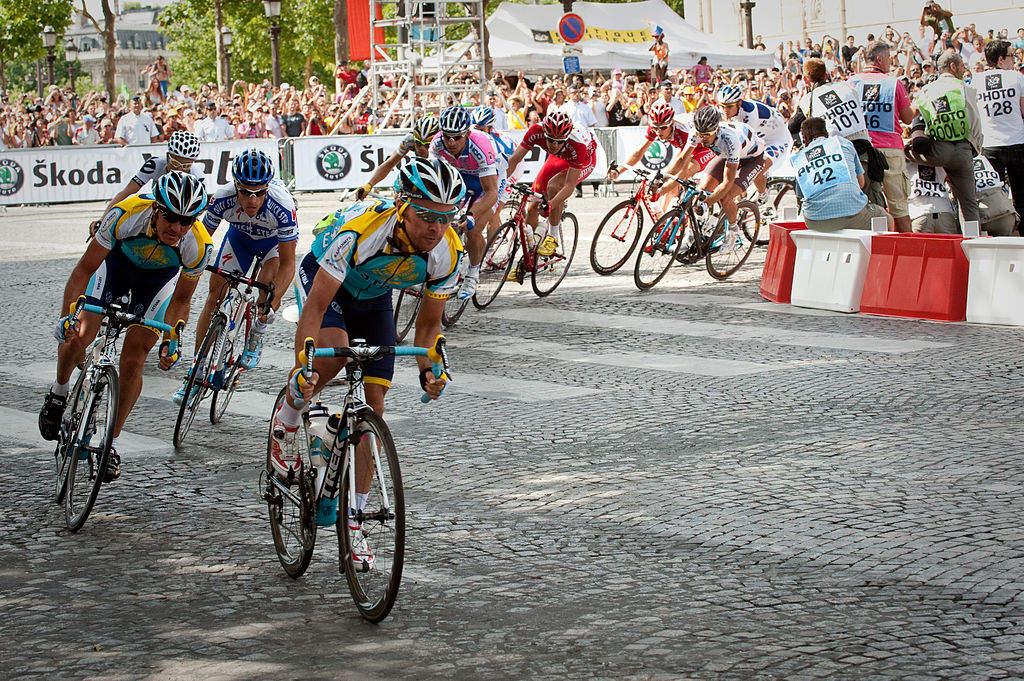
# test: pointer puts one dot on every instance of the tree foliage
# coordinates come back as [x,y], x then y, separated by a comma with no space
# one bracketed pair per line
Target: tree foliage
[20,24]
[307,27]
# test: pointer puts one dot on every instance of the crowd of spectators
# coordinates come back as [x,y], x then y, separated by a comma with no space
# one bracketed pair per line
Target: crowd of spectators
[260,110]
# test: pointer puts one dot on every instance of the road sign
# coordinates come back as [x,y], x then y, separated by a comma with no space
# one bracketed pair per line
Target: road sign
[571,64]
[571,28]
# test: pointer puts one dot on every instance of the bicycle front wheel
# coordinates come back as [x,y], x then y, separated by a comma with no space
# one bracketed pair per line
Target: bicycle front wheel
[377,532]
[780,194]
[291,506]
[229,369]
[89,447]
[550,270]
[497,263]
[616,237]
[659,248]
[198,381]
[407,304]
[722,260]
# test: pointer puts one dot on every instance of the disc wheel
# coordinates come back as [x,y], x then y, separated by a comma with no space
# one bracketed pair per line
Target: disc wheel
[374,586]
[616,237]
[90,432]
[722,264]
[659,249]
[498,259]
[550,270]
[407,304]
[291,506]
[230,370]
[198,382]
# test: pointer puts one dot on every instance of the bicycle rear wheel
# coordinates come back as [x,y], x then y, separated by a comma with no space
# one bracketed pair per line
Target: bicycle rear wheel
[497,263]
[659,249]
[550,270]
[230,371]
[374,586]
[616,237]
[780,194]
[722,265]
[291,506]
[89,446]
[198,382]
[453,307]
[407,304]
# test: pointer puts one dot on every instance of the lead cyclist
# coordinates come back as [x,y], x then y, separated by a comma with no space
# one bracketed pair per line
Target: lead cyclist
[766,122]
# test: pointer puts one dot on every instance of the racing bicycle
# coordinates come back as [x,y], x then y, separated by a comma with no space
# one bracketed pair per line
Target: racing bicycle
[620,230]
[217,368]
[546,272]
[87,427]
[354,444]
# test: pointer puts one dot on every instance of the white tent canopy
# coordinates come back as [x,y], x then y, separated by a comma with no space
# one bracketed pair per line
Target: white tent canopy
[618,35]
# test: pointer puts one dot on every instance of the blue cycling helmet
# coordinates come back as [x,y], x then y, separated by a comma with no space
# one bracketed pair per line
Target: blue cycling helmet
[483,115]
[455,120]
[252,167]
[430,179]
[181,194]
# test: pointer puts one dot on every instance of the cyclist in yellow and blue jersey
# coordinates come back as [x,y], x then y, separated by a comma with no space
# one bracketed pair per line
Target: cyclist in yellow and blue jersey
[345,284]
[142,245]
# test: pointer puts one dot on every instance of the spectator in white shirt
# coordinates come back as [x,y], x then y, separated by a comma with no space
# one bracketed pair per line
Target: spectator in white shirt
[213,128]
[598,102]
[87,134]
[271,123]
[578,110]
[666,95]
[136,126]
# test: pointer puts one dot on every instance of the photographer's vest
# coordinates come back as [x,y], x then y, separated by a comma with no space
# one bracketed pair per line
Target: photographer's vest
[820,167]
[879,101]
[840,106]
[945,111]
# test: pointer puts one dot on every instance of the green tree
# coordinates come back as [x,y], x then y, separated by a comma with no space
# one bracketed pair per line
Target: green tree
[20,25]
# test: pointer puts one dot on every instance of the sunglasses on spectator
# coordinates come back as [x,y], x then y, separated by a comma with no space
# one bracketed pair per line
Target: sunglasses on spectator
[255,193]
[429,216]
[176,219]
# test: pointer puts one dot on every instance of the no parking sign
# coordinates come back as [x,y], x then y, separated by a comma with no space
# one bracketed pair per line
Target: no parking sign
[571,28]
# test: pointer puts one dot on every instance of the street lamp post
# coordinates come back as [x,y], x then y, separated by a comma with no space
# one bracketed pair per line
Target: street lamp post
[272,8]
[747,6]
[71,54]
[226,38]
[49,42]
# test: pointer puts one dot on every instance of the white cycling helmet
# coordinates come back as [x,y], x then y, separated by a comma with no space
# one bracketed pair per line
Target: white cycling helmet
[183,144]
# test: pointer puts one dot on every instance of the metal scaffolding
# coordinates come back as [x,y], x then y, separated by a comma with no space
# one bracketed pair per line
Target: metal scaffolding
[428,59]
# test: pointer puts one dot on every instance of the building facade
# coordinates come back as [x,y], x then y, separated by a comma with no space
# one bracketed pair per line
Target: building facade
[139,43]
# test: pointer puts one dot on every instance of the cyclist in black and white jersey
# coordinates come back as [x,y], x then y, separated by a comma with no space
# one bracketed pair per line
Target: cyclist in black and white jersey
[418,142]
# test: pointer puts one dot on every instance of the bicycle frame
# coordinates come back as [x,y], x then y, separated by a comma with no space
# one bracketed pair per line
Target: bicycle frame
[528,196]
[234,306]
[640,198]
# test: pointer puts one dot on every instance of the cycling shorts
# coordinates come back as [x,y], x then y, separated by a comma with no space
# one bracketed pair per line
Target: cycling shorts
[239,250]
[148,291]
[554,165]
[372,319]
[746,172]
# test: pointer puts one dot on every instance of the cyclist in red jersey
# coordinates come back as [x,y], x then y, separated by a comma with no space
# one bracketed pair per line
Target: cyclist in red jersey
[572,155]
[663,126]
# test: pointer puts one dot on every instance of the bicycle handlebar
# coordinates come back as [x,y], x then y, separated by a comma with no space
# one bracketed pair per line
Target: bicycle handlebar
[241,279]
[124,318]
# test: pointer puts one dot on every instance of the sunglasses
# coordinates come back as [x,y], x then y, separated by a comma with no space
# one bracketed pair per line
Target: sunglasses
[554,140]
[662,127]
[458,136]
[420,142]
[255,193]
[707,135]
[178,164]
[429,216]
[176,219]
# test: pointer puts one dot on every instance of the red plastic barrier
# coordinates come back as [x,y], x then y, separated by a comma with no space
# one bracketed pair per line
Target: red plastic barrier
[921,276]
[777,275]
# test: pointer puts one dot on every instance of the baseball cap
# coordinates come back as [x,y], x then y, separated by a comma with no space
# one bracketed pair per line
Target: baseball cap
[88,119]
[211,105]
[617,72]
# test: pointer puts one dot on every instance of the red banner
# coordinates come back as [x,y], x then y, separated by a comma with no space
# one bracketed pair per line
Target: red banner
[359,29]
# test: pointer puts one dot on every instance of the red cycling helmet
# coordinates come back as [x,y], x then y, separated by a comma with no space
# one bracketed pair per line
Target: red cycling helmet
[557,125]
[661,113]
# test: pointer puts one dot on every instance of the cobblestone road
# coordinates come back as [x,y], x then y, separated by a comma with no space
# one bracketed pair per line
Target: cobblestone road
[686,484]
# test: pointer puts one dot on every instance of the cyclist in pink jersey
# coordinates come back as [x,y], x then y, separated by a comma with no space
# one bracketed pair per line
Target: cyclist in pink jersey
[572,155]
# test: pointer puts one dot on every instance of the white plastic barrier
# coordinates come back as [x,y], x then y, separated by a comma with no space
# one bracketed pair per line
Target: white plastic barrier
[830,268]
[995,281]
[96,173]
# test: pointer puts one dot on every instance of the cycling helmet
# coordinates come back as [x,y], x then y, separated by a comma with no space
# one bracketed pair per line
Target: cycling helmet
[183,144]
[425,129]
[430,179]
[557,125]
[181,193]
[661,113]
[706,119]
[483,115]
[455,120]
[730,94]
[252,167]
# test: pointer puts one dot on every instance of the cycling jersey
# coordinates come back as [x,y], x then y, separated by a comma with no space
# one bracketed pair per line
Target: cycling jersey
[579,150]
[504,146]
[356,248]
[999,94]
[477,160]
[680,135]
[126,228]
[276,218]
[840,106]
[155,167]
[736,141]
[762,119]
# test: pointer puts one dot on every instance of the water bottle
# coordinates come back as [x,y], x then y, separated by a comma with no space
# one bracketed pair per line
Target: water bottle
[317,417]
